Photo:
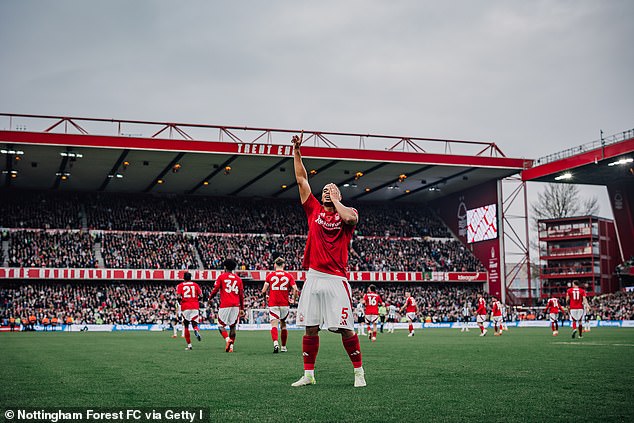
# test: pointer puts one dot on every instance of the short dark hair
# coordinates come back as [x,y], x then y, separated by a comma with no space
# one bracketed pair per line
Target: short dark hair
[187,276]
[230,264]
[372,288]
[280,261]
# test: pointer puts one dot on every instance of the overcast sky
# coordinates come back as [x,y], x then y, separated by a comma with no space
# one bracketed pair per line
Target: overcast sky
[535,77]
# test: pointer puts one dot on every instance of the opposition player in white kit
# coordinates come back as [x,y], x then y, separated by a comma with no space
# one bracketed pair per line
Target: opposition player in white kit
[326,299]
[391,317]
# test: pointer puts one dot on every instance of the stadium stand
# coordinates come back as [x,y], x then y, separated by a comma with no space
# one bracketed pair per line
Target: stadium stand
[51,249]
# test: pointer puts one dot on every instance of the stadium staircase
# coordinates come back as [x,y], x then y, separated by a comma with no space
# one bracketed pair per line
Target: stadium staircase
[201,266]
[84,218]
[175,222]
[97,252]
[5,253]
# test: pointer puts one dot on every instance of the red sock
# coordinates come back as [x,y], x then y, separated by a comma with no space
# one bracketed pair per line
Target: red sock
[223,333]
[284,337]
[411,328]
[195,325]
[310,348]
[354,350]
[574,324]
[481,329]
[274,333]
[187,337]
[374,334]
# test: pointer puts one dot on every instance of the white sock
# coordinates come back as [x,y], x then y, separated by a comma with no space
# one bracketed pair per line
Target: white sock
[309,373]
[275,344]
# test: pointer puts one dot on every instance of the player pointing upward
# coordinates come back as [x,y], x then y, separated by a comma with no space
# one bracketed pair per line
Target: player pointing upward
[325,300]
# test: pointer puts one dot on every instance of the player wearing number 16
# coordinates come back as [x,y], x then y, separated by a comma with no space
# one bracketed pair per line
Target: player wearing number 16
[325,301]
[280,283]
[188,293]
[231,302]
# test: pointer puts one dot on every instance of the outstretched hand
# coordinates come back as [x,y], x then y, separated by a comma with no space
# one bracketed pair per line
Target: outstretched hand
[297,140]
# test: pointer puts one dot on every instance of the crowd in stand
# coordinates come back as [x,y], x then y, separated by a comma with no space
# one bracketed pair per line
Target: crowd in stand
[126,250]
[129,212]
[132,303]
[160,250]
[51,249]
[40,210]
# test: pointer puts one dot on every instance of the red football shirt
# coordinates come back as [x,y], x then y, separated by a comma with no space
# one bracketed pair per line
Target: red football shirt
[410,305]
[231,290]
[553,306]
[280,283]
[189,291]
[576,296]
[328,239]
[372,301]
[497,308]
[482,306]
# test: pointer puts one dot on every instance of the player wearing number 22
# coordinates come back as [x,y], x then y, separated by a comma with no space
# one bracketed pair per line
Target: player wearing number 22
[325,301]
[231,302]
[188,293]
[280,283]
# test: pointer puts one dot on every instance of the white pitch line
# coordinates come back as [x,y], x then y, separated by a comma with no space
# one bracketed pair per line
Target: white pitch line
[594,344]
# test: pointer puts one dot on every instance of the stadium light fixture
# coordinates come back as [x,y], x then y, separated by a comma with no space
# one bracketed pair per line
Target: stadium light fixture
[313,172]
[367,190]
[71,154]
[160,181]
[12,172]
[17,152]
[622,161]
[227,170]
[206,183]
[407,191]
[402,177]
[346,185]
[176,167]
[284,186]
[565,176]
[358,175]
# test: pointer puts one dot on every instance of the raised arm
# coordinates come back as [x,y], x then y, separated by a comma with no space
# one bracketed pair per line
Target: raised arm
[300,171]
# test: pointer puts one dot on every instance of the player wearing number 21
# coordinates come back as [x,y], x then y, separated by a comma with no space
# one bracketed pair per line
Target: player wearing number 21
[325,301]
[231,302]
[188,293]
[280,283]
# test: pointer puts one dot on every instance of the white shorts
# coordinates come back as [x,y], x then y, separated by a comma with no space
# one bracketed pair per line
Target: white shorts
[326,302]
[371,318]
[576,314]
[481,318]
[497,319]
[411,316]
[228,316]
[191,315]
[278,312]
[553,317]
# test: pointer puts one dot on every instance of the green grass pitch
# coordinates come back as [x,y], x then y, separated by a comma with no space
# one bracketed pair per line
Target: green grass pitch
[439,375]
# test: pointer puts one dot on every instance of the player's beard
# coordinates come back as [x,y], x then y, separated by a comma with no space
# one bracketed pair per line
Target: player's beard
[329,204]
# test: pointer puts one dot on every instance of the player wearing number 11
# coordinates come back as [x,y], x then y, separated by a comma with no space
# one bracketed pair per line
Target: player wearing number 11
[231,302]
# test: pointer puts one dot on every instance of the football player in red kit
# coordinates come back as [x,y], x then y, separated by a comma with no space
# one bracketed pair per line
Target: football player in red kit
[187,293]
[496,317]
[371,301]
[326,299]
[481,314]
[280,284]
[578,304]
[411,311]
[552,309]
[231,302]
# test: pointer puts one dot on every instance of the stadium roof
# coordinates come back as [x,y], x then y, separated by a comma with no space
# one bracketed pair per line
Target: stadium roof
[82,154]
[609,160]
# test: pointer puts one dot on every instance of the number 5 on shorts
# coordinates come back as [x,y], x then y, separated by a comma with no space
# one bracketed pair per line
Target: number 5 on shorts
[344,316]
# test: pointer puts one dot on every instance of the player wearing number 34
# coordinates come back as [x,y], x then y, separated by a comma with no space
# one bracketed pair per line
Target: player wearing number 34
[231,302]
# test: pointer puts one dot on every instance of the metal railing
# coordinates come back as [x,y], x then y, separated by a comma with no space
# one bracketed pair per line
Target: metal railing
[241,134]
[593,145]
